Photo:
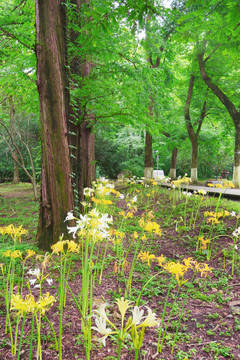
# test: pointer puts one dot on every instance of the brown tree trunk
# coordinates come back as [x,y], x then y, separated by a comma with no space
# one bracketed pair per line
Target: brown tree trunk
[82,143]
[148,169]
[56,187]
[16,178]
[172,173]
[193,135]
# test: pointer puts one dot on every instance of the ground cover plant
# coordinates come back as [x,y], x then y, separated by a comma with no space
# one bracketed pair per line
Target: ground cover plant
[145,273]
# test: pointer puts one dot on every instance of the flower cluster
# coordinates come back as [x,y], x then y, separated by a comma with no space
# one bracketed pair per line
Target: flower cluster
[236,232]
[204,242]
[150,226]
[19,254]
[94,224]
[134,322]
[175,268]
[213,217]
[116,236]
[66,247]
[29,305]
[180,181]
[14,232]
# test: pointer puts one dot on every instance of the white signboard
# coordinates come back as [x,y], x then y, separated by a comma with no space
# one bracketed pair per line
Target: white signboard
[158,174]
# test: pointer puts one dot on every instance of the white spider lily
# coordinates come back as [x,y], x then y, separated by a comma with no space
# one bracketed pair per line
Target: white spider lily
[94,213]
[101,327]
[88,192]
[73,230]
[150,319]
[49,281]
[32,281]
[70,216]
[236,232]
[101,311]
[137,315]
[36,272]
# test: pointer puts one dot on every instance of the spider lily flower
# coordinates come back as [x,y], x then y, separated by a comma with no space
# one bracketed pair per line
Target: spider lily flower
[32,281]
[123,306]
[161,259]
[101,327]
[70,216]
[13,254]
[36,272]
[236,232]
[29,305]
[137,315]
[101,311]
[72,230]
[65,246]
[146,257]
[13,231]
[88,192]
[150,320]
[49,281]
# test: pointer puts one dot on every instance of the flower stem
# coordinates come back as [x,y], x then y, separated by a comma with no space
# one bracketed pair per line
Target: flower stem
[20,341]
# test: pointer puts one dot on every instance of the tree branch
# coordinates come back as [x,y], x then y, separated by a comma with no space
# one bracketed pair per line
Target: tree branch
[131,61]
[12,36]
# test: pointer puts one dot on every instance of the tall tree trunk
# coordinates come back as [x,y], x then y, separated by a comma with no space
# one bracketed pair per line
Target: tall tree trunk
[194,172]
[56,187]
[236,169]
[83,149]
[193,135]
[173,173]
[232,110]
[148,169]
[16,178]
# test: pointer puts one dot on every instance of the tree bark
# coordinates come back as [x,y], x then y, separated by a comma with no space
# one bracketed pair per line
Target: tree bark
[173,172]
[16,178]
[193,135]
[56,187]
[232,110]
[148,169]
[82,149]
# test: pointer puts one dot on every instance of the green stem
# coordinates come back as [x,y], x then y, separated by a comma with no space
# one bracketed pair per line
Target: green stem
[16,335]
[31,339]
[21,335]
[180,317]
[77,304]
[139,297]
[160,349]
[54,333]
[163,314]
[119,349]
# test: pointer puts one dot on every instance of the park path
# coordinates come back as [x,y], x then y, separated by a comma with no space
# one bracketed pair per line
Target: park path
[228,193]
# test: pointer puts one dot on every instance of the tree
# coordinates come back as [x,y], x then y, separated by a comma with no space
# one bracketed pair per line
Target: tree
[193,135]
[56,187]
[215,30]
[232,110]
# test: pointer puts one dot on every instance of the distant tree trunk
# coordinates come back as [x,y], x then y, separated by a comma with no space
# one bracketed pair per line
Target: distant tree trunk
[192,134]
[232,110]
[148,169]
[16,178]
[172,172]
[56,187]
